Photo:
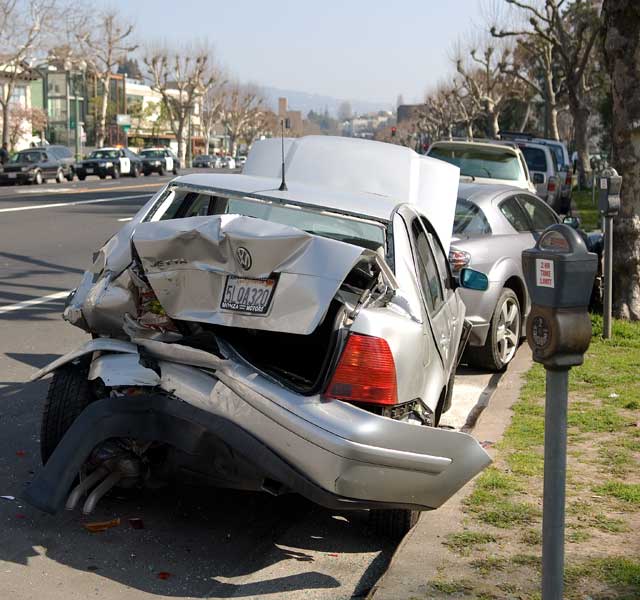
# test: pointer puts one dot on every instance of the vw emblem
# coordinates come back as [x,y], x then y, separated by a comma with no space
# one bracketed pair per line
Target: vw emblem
[244,258]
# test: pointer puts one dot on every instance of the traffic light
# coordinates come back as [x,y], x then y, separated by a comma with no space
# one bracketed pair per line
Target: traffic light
[393,132]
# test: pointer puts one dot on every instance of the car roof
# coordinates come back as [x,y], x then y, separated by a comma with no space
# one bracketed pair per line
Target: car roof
[490,146]
[481,193]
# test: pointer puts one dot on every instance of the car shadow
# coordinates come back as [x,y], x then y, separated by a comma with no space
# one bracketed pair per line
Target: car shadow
[196,542]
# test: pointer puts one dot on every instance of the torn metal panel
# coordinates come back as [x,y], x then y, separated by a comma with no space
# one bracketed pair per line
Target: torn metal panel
[96,345]
[182,354]
[187,262]
[122,370]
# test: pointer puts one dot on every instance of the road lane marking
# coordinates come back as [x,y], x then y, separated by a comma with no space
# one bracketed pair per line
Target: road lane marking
[33,302]
[125,219]
[59,204]
[84,190]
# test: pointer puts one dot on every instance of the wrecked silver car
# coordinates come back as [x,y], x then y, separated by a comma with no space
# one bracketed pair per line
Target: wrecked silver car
[286,336]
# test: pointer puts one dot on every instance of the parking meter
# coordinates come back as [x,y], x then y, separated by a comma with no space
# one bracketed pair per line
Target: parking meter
[559,272]
[609,195]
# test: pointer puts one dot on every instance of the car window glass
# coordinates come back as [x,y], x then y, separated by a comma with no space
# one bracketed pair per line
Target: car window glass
[495,163]
[536,158]
[469,219]
[514,214]
[430,281]
[441,261]
[539,213]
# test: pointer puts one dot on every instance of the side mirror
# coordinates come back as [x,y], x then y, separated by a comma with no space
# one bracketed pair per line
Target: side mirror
[473,280]
[573,222]
[538,178]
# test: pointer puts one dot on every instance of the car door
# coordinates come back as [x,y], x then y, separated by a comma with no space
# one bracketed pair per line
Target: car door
[442,305]
[539,215]
[168,159]
[49,165]
[125,162]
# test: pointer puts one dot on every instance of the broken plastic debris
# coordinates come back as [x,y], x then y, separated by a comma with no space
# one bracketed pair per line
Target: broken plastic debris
[8,497]
[164,575]
[136,523]
[98,526]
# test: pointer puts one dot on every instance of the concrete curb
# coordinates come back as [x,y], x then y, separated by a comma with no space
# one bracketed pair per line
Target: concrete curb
[420,554]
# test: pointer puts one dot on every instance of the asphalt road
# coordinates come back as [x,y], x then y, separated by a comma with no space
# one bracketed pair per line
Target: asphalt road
[207,543]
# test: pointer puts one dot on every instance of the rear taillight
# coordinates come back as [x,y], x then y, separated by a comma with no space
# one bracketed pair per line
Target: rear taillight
[458,259]
[551,186]
[569,179]
[366,372]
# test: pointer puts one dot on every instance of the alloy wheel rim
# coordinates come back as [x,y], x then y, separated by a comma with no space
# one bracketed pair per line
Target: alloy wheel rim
[508,330]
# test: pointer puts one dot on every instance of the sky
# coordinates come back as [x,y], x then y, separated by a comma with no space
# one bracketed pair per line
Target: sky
[354,49]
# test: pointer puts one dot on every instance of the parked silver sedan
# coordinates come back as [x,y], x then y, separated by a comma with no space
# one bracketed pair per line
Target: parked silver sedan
[297,336]
[493,225]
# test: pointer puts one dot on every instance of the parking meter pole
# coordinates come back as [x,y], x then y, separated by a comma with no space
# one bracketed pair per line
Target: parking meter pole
[608,274]
[555,468]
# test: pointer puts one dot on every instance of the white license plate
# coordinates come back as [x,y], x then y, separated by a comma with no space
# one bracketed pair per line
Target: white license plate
[247,295]
[89,170]
[12,175]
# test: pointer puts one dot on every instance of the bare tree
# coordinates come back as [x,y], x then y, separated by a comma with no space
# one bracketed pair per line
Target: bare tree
[571,30]
[240,108]
[24,121]
[344,111]
[103,41]
[467,110]
[488,86]
[23,29]
[622,48]
[261,122]
[212,104]
[180,77]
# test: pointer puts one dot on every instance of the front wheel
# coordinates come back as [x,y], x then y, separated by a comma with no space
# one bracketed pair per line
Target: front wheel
[70,175]
[59,176]
[69,394]
[175,170]
[38,179]
[135,171]
[504,334]
[116,173]
[161,171]
[393,523]
[81,177]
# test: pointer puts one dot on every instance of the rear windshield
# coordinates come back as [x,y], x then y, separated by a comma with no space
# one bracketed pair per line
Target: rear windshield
[470,219]
[182,204]
[480,162]
[104,154]
[558,153]
[30,157]
[536,158]
[152,153]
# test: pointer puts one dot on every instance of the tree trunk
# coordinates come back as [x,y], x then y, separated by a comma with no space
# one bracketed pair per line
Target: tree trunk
[622,48]
[5,123]
[469,126]
[181,144]
[102,117]
[207,133]
[525,117]
[580,115]
[494,124]
[232,144]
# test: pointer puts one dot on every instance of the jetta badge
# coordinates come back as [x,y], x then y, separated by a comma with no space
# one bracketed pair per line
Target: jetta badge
[244,258]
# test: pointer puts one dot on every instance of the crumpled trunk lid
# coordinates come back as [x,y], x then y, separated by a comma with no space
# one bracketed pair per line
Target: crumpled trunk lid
[211,269]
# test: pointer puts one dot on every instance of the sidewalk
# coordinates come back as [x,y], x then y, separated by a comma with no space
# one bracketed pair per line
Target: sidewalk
[421,555]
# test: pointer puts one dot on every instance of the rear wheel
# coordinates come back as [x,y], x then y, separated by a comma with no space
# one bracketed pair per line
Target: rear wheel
[81,177]
[116,173]
[59,176]
[102,176]
[393,523]
[70,175]
[135,170]
[175,170]
[147,173]
[38,179]
[69,394]
[503,337]
[161,171]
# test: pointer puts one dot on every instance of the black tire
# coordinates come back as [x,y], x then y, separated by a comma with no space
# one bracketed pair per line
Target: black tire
[70,175]
[59,176]
[82,177]
[175,170]
[161,171]
[147,173]
[489,356]
[69,394]
[135,170]
[38,179]
[102,176]
[115,174]
[393,523]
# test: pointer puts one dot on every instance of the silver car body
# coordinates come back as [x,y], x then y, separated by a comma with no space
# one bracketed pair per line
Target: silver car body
[494,246]
[344,450]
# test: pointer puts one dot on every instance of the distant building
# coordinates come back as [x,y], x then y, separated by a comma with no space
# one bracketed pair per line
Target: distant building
[366,126]
[20,99]
[292,117]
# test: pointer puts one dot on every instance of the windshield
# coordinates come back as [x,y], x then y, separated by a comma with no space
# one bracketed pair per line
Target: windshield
[152,153]
[469,219]
[480,162]
[104,154]
[30,157]
[183,204]
[535,158]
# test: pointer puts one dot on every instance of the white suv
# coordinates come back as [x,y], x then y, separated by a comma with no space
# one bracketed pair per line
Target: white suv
[488,162]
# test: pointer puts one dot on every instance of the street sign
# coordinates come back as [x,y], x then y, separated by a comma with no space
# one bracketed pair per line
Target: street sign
[123,120]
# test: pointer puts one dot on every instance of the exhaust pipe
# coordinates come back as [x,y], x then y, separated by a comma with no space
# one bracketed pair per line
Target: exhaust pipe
[101,490]
[84,486]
